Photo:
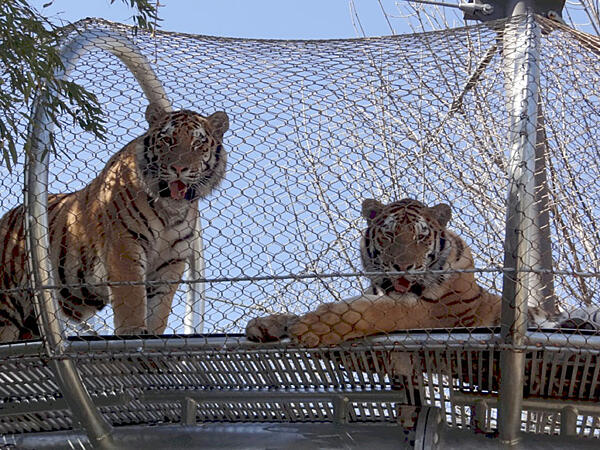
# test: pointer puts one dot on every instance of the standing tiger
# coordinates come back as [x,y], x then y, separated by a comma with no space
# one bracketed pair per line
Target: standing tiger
[402,236]
[132,224]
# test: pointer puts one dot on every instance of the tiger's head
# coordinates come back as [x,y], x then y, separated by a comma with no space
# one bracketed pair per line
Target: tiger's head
[181,156]
[404,236]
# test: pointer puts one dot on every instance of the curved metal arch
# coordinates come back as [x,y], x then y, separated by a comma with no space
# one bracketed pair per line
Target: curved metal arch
[50,323]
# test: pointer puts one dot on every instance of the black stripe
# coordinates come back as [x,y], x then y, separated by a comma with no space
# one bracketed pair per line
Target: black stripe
[463,300]
[152,291]
[168,263]
[442,243]
[68,299]
[460,248]
[14,214]
[126,205]
[62,256]
[20,235]
[23,324]
[137,236]
[55,216]
[141,215]
[89,299]
[152,204]
[30,329]
[185,238]
[13,303]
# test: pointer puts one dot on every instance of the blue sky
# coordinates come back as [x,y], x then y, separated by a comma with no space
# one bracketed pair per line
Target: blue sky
[269,19]
[277,19]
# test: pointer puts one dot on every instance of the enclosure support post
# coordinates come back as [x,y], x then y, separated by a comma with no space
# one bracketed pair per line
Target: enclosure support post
[193,321]
[544,297]
[520,54]
[568,421]
[47,309]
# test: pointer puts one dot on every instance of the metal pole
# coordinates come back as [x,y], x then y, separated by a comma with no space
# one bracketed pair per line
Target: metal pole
[544,296]
[50,323]
[521,53]
[193,321]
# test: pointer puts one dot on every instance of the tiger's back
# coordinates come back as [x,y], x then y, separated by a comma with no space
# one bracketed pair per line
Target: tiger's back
[132,224]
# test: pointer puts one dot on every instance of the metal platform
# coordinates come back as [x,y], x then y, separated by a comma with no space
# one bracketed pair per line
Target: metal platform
[227,380]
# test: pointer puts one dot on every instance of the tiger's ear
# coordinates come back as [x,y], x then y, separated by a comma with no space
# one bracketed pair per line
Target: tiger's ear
[442,213]
[219,123]
[371,208]
[154,113]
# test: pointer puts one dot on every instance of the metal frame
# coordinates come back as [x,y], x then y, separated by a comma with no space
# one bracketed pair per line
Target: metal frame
[193,320]
[486,10]
[522,255]
[301,436]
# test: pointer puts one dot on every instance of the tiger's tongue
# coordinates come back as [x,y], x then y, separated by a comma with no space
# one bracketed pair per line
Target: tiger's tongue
[178,189]
[401,285]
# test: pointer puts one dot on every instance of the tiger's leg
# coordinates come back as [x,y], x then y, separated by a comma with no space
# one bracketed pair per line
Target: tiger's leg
[125,263]
[17,318]
[160,296]
[9,332]
[332,323]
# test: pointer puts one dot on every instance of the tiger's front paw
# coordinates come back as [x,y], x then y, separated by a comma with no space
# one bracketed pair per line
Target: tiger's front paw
[269,328]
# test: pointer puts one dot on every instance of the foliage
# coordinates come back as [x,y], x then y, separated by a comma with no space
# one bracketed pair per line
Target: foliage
[29,61]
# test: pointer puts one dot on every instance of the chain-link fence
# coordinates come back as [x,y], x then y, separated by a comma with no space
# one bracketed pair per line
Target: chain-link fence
[315,128]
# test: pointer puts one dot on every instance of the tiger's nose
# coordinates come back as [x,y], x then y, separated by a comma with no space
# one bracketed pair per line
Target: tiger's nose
[403,267]
[178,169]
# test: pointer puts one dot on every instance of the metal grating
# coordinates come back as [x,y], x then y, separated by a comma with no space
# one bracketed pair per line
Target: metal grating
[224,379]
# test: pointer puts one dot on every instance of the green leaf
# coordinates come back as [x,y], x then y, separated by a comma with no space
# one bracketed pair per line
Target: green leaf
[29,60]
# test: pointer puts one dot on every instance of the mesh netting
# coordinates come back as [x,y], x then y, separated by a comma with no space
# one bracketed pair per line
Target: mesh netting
[316,127]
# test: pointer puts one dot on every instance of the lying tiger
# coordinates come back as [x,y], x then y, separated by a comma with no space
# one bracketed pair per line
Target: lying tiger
[132,224]
[401,236]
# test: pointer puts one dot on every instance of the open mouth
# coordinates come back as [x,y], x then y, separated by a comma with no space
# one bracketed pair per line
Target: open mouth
[402,285]
[177,190]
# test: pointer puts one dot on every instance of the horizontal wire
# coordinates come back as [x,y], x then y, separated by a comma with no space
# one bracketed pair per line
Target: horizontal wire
[298,277]
[430,2]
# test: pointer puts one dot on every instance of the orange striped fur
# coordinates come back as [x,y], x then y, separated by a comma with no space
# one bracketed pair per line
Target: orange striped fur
[401,236]
[132,224]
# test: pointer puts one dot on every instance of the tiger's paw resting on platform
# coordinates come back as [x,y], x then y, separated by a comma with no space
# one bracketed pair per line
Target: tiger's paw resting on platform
[270,328]
[329,324]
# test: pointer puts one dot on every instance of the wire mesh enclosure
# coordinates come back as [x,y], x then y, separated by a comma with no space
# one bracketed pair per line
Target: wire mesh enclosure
[315,128]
